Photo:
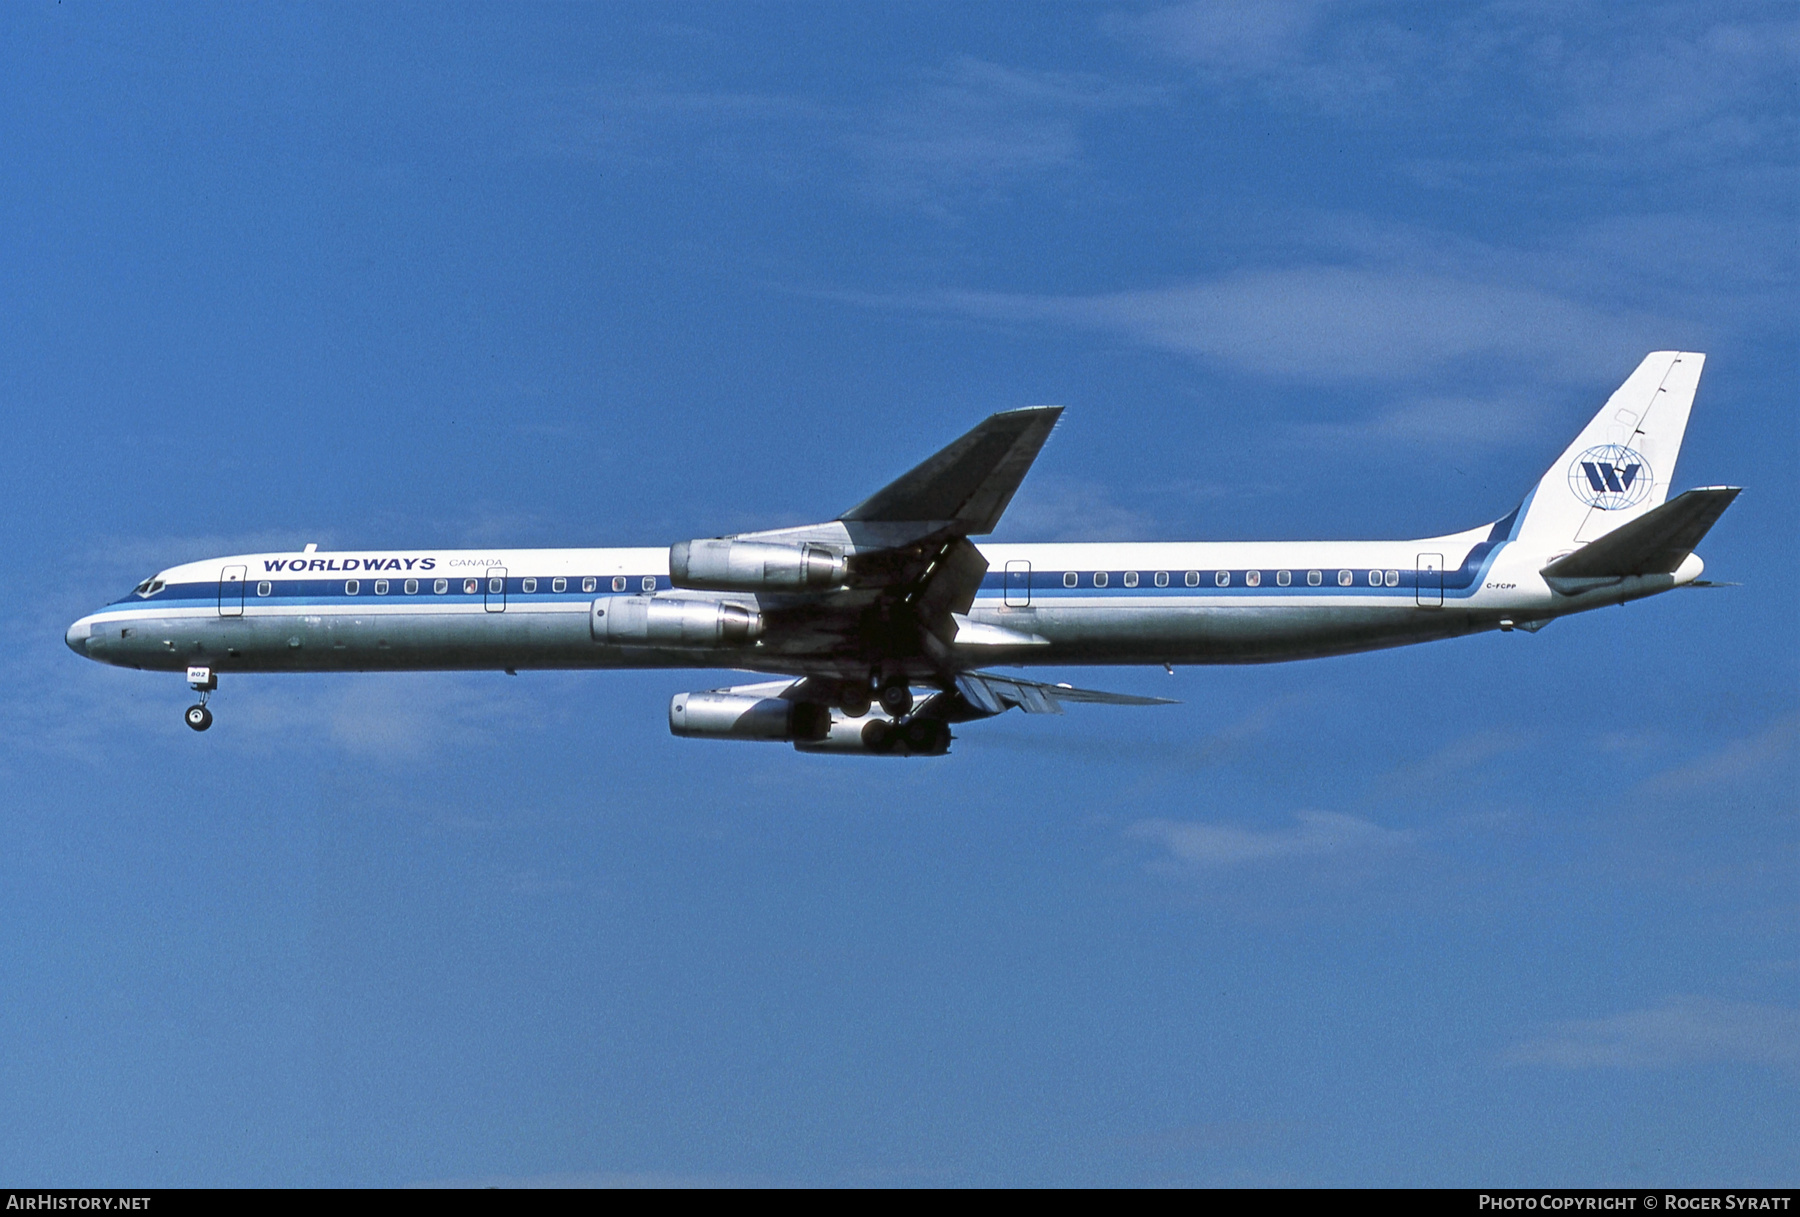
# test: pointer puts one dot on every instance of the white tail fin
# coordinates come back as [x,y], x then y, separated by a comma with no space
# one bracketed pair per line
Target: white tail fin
[1621,464]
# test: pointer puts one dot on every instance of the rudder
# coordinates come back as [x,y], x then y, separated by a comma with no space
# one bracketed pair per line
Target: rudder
[1623,462]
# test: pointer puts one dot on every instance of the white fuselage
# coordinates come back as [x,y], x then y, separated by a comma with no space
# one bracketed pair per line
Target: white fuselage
[1113,603]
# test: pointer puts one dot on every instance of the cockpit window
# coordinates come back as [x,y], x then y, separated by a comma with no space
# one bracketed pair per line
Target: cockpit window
[148,587]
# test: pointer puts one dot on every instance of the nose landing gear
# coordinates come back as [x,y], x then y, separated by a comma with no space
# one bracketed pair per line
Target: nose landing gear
[203,681]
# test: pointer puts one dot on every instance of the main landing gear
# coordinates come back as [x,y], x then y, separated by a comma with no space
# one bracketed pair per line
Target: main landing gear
[898,732]
[203,681]
[896,696]
[916,736]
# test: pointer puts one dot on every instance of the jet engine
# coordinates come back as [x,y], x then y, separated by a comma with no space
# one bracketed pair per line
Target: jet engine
[755,566]
[809,726]
[727,715]
[646,621]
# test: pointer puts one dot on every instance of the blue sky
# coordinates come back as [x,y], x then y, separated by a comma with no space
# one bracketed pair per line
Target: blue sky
[1510,909]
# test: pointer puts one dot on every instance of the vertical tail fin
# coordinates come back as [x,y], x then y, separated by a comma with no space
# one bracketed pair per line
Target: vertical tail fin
[1621,464]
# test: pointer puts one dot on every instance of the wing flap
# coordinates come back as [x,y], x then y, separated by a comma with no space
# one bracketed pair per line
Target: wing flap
[992,694]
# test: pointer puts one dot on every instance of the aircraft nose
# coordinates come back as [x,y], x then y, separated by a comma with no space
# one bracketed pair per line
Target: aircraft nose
[76,636]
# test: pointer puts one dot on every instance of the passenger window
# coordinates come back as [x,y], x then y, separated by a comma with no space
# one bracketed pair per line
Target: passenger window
[1193,578]
[649,583]
[1344,578]
[559,585]
[496,586]
[1314,578]
[1222,578]
[1393,578]
[618,583]
[352,586]
[530,585]
[441,586]
[1253,578]
[412,587]
[1131,578]
[470,586]
[1374,578]
[1162,578]
[381,586]
[1070,578]
[1283,578]
[1099,578]
[264,588]
[587,585]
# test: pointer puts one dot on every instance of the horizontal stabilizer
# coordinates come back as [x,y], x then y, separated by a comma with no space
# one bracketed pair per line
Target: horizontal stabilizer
[993,694]
[1655,543]
[969,483]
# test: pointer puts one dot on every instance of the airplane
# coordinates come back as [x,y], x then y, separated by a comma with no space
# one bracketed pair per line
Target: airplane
[882,628]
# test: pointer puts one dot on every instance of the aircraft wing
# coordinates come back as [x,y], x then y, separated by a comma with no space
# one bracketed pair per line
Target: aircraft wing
[909,571]
[969,483]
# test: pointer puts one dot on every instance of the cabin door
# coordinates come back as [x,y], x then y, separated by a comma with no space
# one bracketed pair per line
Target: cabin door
[495,590]
[1431,580]
[1018,584]
[231,592]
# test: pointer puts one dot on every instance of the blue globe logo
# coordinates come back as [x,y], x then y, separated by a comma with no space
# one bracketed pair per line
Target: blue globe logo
[1611,477]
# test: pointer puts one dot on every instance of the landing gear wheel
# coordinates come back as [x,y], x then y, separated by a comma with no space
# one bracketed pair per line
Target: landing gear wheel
[854,701]
[878,735]
[198,717]
[896,696]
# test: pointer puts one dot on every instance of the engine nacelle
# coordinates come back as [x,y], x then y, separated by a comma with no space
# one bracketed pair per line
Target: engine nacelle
[877,735]
[747,716]
[755,566]
[647,621]
[809,726]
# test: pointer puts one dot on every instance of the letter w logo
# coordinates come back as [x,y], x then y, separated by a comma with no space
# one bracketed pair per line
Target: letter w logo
[1609,477]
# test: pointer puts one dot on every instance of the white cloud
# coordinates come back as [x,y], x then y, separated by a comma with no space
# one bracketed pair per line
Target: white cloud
[1329,324]
[965,133]
[1681,1030]
[1723,86]
[1458,756]
[1772,749]
[1059,509]
[974,131]
[1240,37]
[404,716]
[1318,833]
[1465,341]
[1566,80]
